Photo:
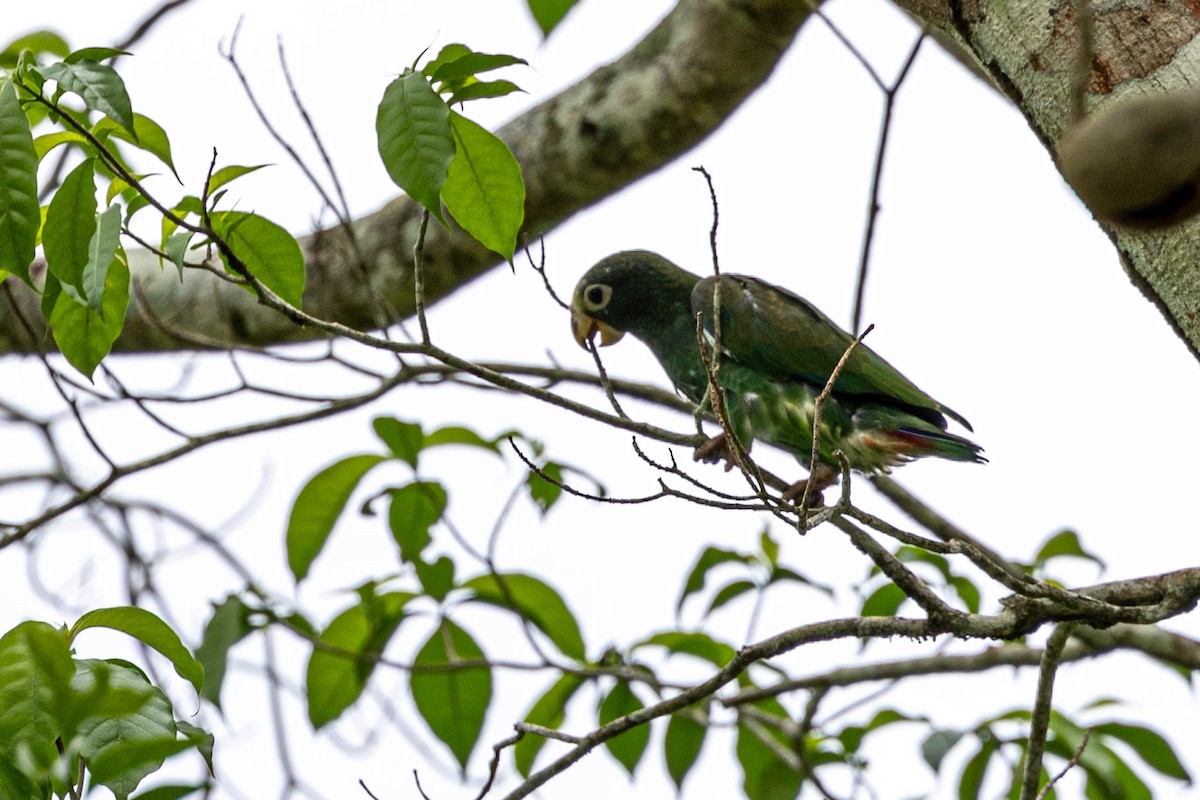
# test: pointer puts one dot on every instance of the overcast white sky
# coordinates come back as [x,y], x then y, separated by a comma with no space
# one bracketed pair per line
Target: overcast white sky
[991,288]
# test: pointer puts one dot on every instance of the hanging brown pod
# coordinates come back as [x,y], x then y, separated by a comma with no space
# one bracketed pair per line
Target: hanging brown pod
[1137,162]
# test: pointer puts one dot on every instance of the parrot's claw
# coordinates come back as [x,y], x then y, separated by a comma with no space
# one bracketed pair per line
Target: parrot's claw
[822,477]
[714,451]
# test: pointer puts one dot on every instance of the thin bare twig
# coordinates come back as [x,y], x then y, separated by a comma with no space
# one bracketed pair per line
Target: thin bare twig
[1039,725]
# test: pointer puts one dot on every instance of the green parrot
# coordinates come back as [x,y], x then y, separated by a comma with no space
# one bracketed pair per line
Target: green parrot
[777,353]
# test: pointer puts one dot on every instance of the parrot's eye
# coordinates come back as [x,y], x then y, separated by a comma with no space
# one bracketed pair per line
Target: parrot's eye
[596,296]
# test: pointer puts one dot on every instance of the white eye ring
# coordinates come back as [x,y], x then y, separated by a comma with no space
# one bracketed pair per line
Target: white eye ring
[596,296]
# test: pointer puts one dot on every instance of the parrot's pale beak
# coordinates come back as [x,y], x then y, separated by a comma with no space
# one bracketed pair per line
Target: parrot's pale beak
[585,328]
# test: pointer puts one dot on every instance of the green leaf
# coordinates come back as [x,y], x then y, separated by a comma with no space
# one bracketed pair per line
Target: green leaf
[171,792]
[176,247]
[711,557]
[416,141]
[483,89]
[1065,543]
[884,601]
[968,591]
[448,53]
[627,747]
[728,592]
[47,142]
[228,625]
[41,41]
[455,434]
[151,631]
[101,254]
[936,745]
[545,493]
[404,439]
[147,135]
[121,750]
[785,574]
[1151,746]
[548,13]
[970,782]
[469,64]
[414,509]
[84,336]
[453,701]
[267,251]
[548,712]
[697,644]
[353,640]
[94,54]
[437,579]
[229,174]
[20,215]
[99,85]
[484,190]
[35,668]
[318,506]
[685,737]
[764,775]
[70,225]
[537,602]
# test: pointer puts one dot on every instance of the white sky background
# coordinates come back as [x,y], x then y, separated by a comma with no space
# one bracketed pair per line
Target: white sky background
[990,287]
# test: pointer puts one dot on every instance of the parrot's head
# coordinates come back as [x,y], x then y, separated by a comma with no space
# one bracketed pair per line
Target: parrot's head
[626,292]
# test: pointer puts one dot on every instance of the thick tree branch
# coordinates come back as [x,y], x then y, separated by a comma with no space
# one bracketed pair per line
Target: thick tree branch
[623,121]
[1028,49]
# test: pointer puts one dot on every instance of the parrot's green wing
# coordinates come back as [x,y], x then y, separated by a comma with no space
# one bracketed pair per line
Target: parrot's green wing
[771,330]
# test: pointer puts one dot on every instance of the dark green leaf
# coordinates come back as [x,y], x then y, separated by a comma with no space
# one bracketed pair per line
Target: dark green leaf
[151,631]
[884,601]
[171,792]
[176,247]
[537,602]
[20,214]
[728,592]
[266,250]
[626,747]
[484,190]
[228,625]
[483,89]
[968,591]
[1065,543]
[84,336]
[548,712]
[414,509]
[318,507]
[455,434]
[546,492]
[769,548]
[447,54]
[697,644]
[404,439]
[437,579]
[711,557]
[782,574]
[909,555]
[764,775]
[970,782]
[548,13]
[1151,746]
[70,225]
[98,84]
[936,745]
[416,141]
[353,641]
[453,701]
[201,739]
[94,54]
[685,737]
[470,64]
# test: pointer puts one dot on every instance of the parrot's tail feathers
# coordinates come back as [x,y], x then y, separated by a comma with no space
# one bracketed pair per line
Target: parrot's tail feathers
[917,443]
